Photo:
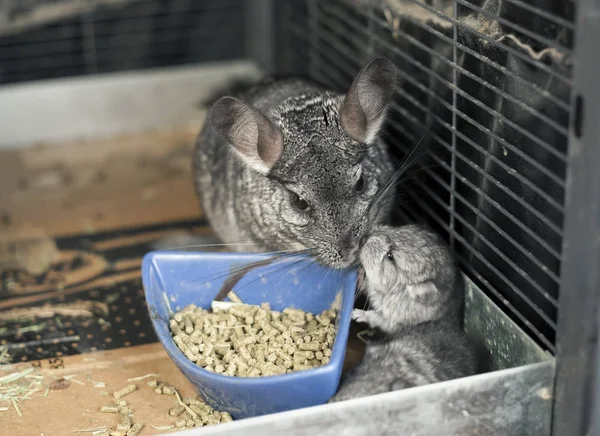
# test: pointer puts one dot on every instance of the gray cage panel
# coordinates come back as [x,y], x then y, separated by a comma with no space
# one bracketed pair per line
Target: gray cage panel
[47,39]
[492,83]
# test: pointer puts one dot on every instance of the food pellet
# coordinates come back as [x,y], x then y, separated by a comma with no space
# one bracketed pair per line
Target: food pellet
[168,390]
[242,340]
[180,423]
[109,409]
[233,297]
[135,429]
[177,410]
[124,391]
[125,422]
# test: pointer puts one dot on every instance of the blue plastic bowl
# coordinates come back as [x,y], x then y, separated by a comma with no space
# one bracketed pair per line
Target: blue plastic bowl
[185,278]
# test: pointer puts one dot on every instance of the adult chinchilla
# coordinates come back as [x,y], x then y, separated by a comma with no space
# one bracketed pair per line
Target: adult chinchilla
[291,165]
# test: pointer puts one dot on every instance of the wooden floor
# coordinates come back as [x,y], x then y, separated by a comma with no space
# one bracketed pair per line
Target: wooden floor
[99,204]
[92,187]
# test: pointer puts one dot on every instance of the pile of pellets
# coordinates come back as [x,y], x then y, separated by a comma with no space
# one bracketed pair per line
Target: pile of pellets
[188,412]
[243,340]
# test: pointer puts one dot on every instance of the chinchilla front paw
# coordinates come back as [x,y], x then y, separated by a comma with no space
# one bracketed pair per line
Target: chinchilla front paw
[360,315]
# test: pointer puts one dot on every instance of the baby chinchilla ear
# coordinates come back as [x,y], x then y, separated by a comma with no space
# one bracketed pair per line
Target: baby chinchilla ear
[363,108]
[253,136]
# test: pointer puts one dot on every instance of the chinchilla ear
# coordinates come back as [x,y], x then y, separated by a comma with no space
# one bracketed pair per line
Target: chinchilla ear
[255,138]
[363,109]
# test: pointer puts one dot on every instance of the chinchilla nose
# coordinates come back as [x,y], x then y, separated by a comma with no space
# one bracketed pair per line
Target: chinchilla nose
[348,245]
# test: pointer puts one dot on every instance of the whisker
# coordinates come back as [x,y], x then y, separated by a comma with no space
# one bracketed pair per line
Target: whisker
[223,244]
[232,271]
[294,263]
[179,247]
[398,176]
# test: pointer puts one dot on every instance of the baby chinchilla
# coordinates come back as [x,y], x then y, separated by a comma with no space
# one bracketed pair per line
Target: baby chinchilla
[292,165]
[417,296]
[410,277]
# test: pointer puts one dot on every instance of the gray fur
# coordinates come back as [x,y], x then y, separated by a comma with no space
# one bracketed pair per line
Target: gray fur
[417,301]
[418,356]
[291,137]
[421,284]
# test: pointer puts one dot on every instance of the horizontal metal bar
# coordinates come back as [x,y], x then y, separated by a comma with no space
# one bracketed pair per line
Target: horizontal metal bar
[542,13]
[491,179]
[524,57]
[167,36]
[499,253]
[77,66]
[514,288]
[534,36]
[483,194]
[498,91]
[502,255]
[50,48]
[543,268]
[234,6]
[551,123]
[565,105]
[471,272]
[465,95]
[531,161]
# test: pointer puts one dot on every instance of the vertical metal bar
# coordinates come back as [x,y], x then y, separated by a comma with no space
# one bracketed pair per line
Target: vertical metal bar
[88,32]
[313,37]
[454,124]
[577,335]
[595,404]
[371,32]
[283,36]
[259,32]
[6,6]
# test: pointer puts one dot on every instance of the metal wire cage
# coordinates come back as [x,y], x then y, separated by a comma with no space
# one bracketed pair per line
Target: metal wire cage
[503,92]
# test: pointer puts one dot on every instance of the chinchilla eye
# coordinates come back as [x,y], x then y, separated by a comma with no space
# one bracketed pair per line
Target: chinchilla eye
[300,202]
[360,184]
[389,256]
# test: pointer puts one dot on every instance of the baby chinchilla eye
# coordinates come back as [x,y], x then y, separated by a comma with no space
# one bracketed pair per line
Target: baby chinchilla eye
[360,184]
[300,202]
[389,256]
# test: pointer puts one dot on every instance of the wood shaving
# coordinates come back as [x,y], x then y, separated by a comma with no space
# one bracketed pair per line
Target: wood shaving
[16,406]
[143,377]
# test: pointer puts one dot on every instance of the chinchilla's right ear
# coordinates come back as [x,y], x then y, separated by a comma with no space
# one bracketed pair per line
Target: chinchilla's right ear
[364,106]
[256,140]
